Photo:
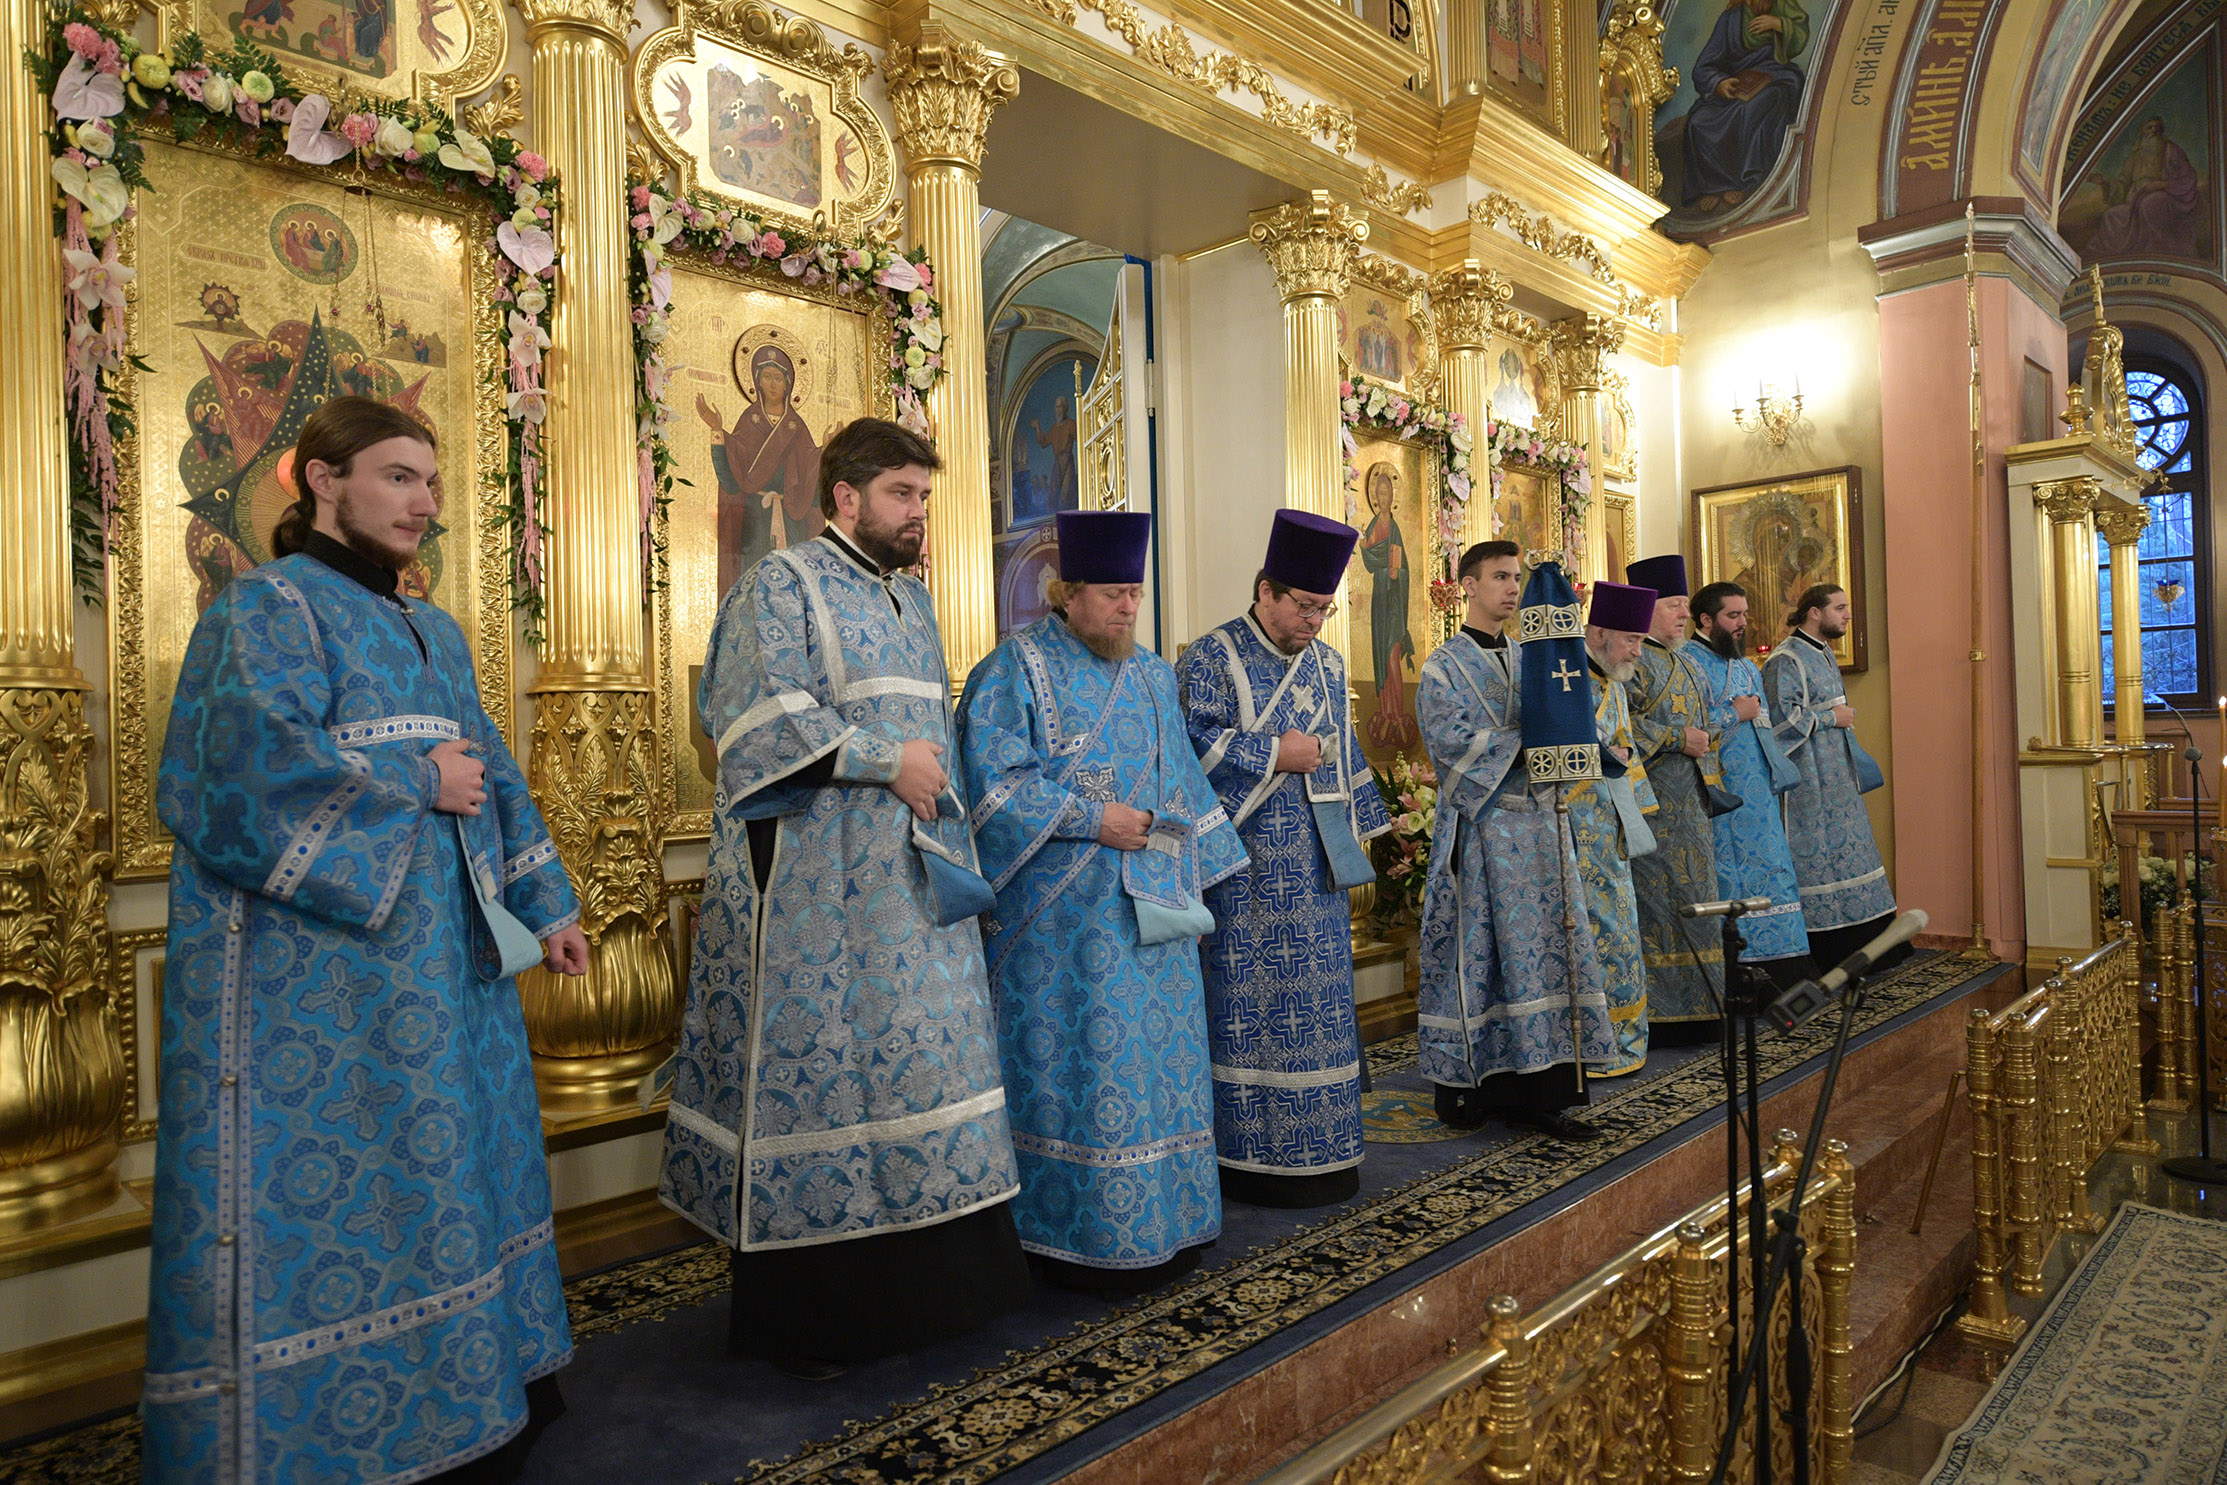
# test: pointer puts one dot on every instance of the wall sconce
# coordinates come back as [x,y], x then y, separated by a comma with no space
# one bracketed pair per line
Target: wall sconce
[1773,415]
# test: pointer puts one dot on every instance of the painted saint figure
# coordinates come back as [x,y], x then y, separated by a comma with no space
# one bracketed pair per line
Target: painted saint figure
[1101,835]
[1384,557]
[837,1117]
[1266,703]
[1750,92]
[768,469]
[354,1270]
[2157,201]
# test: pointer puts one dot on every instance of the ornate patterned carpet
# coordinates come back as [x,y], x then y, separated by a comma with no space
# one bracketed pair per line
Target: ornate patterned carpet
[2125,1375]
[654,1402]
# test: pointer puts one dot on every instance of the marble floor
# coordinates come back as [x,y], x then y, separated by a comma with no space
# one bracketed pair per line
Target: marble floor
[1900,1434]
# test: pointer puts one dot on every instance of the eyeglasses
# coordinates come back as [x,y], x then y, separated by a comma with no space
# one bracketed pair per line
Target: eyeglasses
[1314,613]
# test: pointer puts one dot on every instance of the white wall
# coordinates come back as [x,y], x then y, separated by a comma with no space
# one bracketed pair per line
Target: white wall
[1221,416]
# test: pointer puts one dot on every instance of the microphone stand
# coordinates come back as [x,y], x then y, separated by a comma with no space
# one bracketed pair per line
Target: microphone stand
[2201,1167]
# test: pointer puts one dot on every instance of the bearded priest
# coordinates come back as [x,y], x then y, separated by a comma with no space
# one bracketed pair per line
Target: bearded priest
[1608,816]
[1100,835]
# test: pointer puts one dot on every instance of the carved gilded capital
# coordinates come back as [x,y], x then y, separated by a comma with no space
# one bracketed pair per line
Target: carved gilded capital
[1467,300]
[1580,345]
[607,18]
[1310,245]
[1633,38]
[2069,500]
[2121,524]
[943,90]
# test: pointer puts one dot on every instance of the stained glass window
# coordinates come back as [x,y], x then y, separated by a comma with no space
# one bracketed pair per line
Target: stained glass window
[2174,586]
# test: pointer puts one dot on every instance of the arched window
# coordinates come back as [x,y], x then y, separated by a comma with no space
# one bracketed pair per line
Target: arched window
[2176,650]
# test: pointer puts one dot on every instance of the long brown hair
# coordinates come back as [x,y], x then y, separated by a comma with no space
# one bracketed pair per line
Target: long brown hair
[1815,596]
[333,436]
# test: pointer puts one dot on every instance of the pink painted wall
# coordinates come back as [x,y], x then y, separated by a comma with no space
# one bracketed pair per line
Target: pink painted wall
[1924,374]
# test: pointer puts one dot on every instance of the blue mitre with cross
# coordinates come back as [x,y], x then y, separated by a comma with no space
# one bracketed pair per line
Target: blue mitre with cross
[1560,744]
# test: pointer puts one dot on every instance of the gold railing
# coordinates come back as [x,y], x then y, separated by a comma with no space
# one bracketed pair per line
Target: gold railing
[1622,1377]
[2175,948]
[2054,1079]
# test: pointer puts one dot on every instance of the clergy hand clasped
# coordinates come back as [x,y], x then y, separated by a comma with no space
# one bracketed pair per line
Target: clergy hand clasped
[920,777]
[1124,828]
[1298,752]
[1747,708]
[1696,742]
[463,778]
[1844,716]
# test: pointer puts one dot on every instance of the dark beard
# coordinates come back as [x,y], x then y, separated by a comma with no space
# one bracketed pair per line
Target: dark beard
[1726,643]
[367,546]
[889,547]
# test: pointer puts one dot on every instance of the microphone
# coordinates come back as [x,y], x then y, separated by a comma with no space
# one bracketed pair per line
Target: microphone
[1731,908]
[2192,752]
[1807,1000]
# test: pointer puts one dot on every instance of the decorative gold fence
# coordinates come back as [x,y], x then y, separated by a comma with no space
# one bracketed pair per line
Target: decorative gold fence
[1621,1378]
[2175,950]
[2054,1079]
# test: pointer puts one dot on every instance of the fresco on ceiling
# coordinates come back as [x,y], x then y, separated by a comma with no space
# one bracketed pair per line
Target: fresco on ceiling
[2148,192]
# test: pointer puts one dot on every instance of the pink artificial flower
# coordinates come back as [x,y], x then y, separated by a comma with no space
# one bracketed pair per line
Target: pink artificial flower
[640,221]
[533,165]
[359,129]
[1345,389]
[935,361]
[927,279]
[641,314]
[189,83]
[83,40]
[853,259]
[250,112]
[770,245]
[541,213]
[281,111]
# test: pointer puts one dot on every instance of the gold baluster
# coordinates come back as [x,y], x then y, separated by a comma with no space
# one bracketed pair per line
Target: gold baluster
[2188,992]
[2028,1204]
[1511,1449]
[2129,1042]
[2066,1039]
[1691,1363]
[1989,1317]
[1836,1268]
[2165,942]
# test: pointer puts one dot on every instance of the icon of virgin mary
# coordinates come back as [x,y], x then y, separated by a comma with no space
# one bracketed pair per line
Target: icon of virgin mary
[768,467]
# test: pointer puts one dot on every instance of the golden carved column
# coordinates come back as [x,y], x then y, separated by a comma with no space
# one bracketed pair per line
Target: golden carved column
[1310,245]
[2079,702]
[2122,525]
[943,91]
[593,757]
[1465,300]
[1580,345]
[1465,47]
[61,1065]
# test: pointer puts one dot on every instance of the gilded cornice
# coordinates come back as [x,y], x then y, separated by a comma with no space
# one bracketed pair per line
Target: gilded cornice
[1582,253]
[1310,245]
[943,90]
[499,114]
[2070,499]
[2121,524]
[1466,301]
[1168,48]
[1335,55]
[1377,189]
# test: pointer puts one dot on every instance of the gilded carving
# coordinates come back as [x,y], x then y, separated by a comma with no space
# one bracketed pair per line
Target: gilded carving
[61,1058]
[943,91]
[1409,197]
[825,152]
[501,113]
[1580,345]
[593,767]
[2068,499]
[1170,50]
[1466,302]
[2121,524]
[2103,378]
[1634,83]
[612,18]
[1538,234]
[140,1038]
[1310,245]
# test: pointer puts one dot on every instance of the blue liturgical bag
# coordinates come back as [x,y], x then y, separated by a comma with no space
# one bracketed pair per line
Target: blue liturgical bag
[1868,776]
[516,948]
[958,889]
[1159,880]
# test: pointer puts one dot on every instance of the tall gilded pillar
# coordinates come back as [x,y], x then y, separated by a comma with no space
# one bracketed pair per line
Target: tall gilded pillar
[1580,345]
[61,1064]
[1310,244]
[593,762]
[2122,526]
[1465,300]
[2069,503]
[943,90]
[1465,47]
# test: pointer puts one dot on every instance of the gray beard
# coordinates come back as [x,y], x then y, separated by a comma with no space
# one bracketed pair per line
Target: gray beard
[1675,642]
[1622,671]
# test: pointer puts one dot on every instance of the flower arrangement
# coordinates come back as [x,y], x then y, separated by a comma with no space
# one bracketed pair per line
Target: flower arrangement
[1410,791]
[106,90]
[1505,441]
[905,283]
[2160,887]
[1363,403]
